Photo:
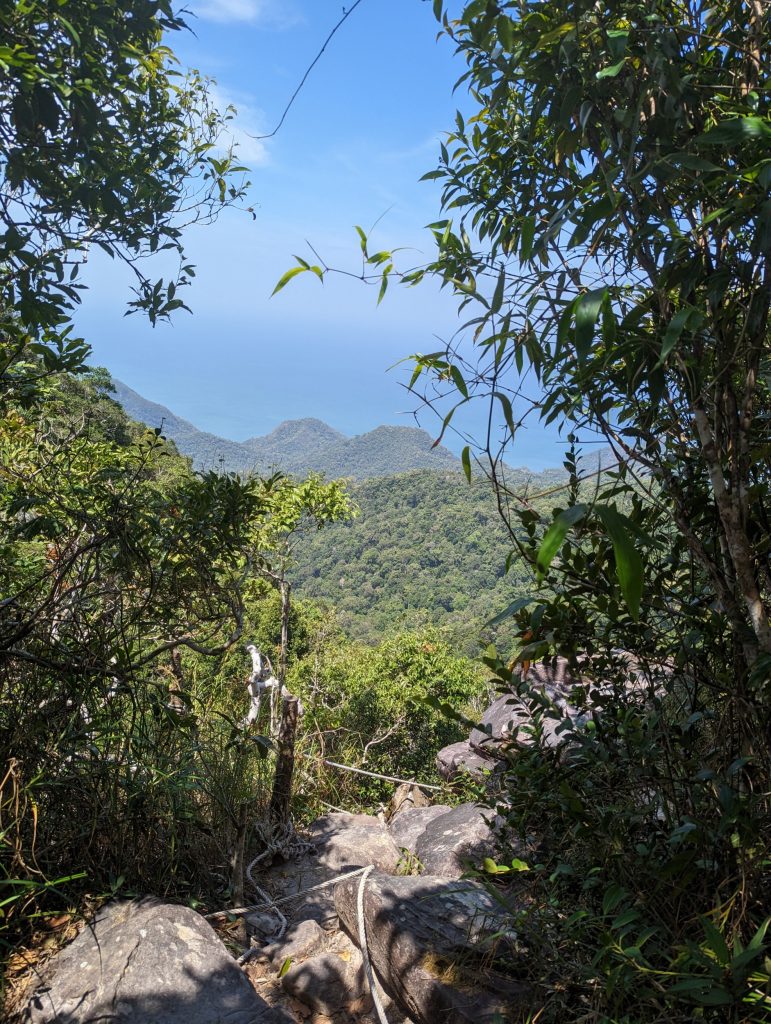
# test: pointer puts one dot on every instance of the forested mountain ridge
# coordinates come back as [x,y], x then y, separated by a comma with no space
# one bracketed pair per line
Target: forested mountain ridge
[295,446]
[426,546]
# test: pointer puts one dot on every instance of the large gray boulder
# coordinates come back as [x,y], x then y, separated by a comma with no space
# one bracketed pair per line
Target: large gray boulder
[342,842]
[509,719]
[453,839]
[438,947]
[460,757]
[346,841]
[567,699]
[409,824]
[146,962]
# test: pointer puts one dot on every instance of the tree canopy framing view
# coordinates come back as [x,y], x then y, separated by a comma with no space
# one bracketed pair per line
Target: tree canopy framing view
[605,231]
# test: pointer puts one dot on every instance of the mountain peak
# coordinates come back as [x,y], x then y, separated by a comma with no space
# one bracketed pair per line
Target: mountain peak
[296,446]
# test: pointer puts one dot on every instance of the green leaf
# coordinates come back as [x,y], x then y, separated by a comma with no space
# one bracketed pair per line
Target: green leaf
[384,283]
[675,328]
[459,381]
[716,942]
[497,302]
[555,536]
[513,608]
[614,894]
[465,458]
[612,71]
[587,312]
[629,567]
[505,28]
[285,967]
[735,130]
[287,277]
[508,413]
[526,237]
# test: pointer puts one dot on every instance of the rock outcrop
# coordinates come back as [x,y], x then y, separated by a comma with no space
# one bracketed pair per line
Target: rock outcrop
[556,689]
[428,938]
[146,962]
[451,841]
[409,824]
[461,757]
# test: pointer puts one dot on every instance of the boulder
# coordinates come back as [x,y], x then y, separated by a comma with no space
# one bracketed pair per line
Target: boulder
[326,983]
[146,962]
[347,841]
[452,839]
[461,757]
[509,718]
[410,823]
[343,842]
[438,947]
[302,938]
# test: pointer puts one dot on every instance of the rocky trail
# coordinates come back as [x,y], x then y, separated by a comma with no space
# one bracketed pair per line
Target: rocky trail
[359,887]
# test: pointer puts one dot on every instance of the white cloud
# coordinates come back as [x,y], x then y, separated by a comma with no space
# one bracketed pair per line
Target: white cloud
[265,12]
[248,122]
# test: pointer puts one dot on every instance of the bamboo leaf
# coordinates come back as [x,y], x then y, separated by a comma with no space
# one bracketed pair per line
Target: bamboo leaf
[629,567]
[555,536]
[587,312]
[465,458]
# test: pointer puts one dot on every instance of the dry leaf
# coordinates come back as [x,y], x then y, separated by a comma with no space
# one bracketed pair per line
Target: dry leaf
[57,922]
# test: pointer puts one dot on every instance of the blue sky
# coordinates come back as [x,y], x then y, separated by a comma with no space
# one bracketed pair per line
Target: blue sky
[358,138]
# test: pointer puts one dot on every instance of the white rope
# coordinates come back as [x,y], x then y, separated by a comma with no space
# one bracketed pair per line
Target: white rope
[283,899]
[364,949]
[387,778]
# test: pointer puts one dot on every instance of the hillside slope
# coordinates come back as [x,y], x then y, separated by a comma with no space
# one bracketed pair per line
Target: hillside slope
[426,547]
[295,446]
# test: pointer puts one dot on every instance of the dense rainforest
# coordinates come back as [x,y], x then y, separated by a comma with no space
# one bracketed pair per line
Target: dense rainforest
[424,545]
[606,230]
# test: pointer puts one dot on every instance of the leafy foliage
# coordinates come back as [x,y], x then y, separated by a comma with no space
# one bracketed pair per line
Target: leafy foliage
[425,547]
[612,191]
[605,231]
[104,144]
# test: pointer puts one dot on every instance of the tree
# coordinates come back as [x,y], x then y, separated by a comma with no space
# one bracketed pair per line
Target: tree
[294,508]
[114,555]
[616,180]
[610,246]
[614,241]
[104,144]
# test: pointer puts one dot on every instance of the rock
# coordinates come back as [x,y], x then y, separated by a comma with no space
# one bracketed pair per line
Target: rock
[406,795]
[452,838]
[348,841]
[409,824]
[146,962]
[460,757]
[509,718]
[302,938]
[326,983]
[263,926]
[428,939]
[296,877]
[343,842]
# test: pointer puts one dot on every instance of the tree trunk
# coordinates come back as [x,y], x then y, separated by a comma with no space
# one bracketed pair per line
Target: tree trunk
[237,867]
[281,796]
[285,587]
